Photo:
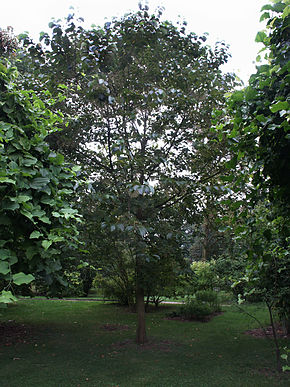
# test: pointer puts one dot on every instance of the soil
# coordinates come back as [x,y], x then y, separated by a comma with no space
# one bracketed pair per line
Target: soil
[205,319]
[12,333]
[114,327]
[267,332]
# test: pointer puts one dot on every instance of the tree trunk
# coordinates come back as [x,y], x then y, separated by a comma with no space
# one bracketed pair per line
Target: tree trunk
[141,330]
[278,353]
[205,242]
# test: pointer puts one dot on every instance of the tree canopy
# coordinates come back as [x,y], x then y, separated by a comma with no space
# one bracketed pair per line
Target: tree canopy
[141,95]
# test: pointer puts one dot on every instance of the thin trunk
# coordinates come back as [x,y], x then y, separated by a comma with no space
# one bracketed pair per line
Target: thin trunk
[278,354]
[205,242]
[141,329]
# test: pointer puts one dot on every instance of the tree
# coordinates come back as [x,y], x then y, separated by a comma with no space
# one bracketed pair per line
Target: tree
[259,135]
[261,110]
[143,94]
[36,218]
[8,42]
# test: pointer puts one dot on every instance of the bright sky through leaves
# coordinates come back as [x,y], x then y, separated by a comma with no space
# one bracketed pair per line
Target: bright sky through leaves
[234,21]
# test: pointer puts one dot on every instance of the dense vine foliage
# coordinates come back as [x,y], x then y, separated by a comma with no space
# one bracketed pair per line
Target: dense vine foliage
[36,218]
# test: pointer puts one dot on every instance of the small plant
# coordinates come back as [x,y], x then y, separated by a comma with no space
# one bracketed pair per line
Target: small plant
[284,356]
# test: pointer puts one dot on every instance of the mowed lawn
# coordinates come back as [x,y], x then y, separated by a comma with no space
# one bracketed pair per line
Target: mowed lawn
[81,343]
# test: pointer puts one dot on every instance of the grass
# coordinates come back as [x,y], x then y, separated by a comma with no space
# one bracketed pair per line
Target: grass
[72,344]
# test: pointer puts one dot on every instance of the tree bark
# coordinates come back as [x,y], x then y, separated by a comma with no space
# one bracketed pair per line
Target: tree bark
[278,353]
[141,337]
[205,242]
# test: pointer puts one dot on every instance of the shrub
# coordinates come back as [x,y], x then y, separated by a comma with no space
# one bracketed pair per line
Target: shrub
[194,310]
[116,288]
[209,297]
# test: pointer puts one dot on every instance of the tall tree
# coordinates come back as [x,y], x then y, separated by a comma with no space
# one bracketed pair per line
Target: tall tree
[143,94]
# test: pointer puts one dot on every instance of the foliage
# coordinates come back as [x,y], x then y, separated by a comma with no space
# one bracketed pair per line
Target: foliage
[200,307]
[268,269]
[74,284]
[284,356]
[8,42]
[120,287]
[141,92]
[204,275]
[193,310]
[229,270]
[258,134]
[37,220]
[260,128]
[210,297]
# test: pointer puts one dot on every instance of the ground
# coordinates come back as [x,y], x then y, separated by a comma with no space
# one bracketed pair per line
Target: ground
[75,344]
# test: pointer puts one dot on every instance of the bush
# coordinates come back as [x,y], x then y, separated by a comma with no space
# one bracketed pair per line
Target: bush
[194,310]
[204,304]
[114,288]
[209,297]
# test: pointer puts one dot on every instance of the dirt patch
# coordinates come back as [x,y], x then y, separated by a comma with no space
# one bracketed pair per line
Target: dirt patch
[205,319]
[267,332]
[12,333]
[114,327]
[272,374]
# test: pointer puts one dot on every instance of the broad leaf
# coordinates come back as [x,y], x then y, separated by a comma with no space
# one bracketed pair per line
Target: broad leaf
[21,278]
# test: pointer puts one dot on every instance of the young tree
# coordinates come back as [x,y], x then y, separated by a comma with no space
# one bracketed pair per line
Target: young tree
[143,94]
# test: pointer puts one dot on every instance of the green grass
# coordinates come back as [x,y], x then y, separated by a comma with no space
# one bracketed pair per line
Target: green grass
[69,347]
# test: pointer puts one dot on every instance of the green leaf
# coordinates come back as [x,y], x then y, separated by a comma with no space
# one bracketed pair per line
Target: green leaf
[266,15]
[21,199]
[267,7]
[57,159]
[238,96]
[35,235]
[142,231]
[46,244]
[232,163]
[7,180]
[4,267]
[8,205]
[31,251]
[261,37]
[55,238]
[7,297]
[281,105]
[5,254]
[21,278]
[39,182]
[286,12]
[45,219]
[28,162]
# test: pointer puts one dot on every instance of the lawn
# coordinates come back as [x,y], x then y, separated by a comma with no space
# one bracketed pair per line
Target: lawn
[70,344]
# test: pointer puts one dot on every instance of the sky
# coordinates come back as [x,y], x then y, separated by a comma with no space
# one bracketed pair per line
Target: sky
[234,21]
